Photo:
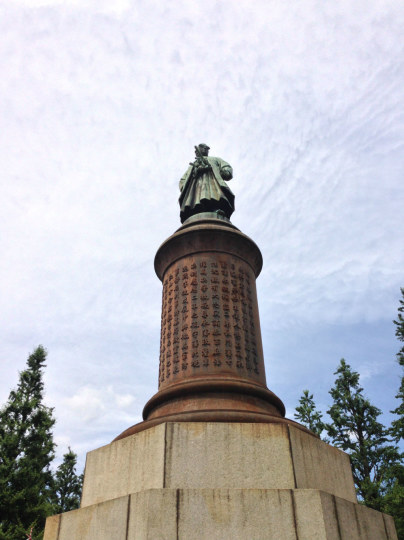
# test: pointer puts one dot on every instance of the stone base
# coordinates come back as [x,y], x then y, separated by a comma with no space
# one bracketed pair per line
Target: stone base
[223,514]
[219,480]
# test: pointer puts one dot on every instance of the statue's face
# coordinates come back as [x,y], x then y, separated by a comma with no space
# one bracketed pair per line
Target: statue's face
[204,150]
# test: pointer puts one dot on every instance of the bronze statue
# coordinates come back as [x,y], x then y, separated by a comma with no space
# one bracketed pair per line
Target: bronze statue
[203,187]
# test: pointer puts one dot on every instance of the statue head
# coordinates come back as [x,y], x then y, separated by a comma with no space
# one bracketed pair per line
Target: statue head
[204,149]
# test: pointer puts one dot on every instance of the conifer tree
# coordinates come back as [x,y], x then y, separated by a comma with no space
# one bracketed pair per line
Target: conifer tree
[397,426]
[355,429]
[308,415]
[67,485]
[26,451]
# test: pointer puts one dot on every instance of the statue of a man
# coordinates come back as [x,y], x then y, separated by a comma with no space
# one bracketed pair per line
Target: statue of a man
[203,187]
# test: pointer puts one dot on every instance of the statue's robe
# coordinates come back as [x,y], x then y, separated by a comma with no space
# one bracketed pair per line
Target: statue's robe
[208,192]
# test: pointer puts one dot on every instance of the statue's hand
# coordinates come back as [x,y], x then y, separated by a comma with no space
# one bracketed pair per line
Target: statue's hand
[226,174]
[201,168]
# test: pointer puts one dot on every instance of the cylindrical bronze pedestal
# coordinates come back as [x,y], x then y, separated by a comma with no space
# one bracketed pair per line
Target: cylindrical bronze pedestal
[211,359]
[211,352]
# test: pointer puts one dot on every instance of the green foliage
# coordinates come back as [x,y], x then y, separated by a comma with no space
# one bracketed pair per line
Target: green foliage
[355,428]
[26,451]
[397,426]
[67,485]
[308,414]
[393,500]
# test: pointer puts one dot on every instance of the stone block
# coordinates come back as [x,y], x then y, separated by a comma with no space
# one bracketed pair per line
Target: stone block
[104,521]
[52,527]
[126,466]
[235,513]
[390,527]
[154,515]
[228,455]
[310,522]
[320,466]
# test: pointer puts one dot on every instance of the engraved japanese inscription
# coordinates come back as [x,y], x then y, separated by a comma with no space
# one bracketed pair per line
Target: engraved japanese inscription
[208,318]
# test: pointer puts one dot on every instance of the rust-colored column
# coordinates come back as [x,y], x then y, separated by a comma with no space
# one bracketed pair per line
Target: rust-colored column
[211,359]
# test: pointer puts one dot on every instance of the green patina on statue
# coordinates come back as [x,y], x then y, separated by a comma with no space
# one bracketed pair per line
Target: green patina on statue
[203,187]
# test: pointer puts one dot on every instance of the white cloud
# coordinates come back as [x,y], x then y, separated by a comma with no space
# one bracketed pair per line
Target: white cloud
[88,403]
[116,7]
[367,370]
[124,401]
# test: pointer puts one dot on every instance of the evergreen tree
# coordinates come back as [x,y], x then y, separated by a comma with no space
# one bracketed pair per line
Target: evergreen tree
[308,415]
[26,451]
[356,430]
[67,485]
[397,426]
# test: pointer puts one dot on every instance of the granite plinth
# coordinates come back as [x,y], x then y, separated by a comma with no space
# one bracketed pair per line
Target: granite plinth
[216,455]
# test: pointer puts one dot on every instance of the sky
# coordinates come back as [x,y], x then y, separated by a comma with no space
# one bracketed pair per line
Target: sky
[101,104]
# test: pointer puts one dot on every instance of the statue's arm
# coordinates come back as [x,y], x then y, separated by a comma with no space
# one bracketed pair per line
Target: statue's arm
[226,171]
